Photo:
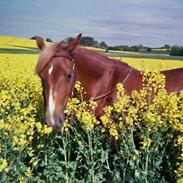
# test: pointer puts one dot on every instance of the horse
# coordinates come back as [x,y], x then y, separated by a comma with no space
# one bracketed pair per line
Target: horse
[59,66]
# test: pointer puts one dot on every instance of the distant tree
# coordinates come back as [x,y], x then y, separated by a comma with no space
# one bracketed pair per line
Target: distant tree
[89,41]
[176,51]
[85,41]
[34,37]
[103,45]
[126,48]
[140,46]
[148,49]
[48,40]
[120,47]
[134,48]
[95,44]
[166,46]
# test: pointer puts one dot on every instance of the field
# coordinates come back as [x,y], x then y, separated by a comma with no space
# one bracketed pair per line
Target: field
[134,141]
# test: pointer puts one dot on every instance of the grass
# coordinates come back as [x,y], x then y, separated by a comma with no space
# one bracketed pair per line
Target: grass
[143,55]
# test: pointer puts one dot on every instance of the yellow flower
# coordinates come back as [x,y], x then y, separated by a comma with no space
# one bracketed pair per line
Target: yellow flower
[78,86]
[151,117]
[31,153]
[3,165]
[87,120]
[47,130]
[21,179]
[113,132]
[104,119]
[28,172]
[120,87]
[146,143]
[38,126]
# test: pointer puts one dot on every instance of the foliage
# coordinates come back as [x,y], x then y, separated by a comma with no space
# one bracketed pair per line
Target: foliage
[86,41]
[166,46]
[134,48]
[103,45]
[49,40]
[176,51]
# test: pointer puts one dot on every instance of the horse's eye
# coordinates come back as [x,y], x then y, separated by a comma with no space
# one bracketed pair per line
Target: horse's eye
[69,76]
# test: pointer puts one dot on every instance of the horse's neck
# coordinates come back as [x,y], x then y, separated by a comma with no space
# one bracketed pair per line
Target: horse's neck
[93,67]
[87,64]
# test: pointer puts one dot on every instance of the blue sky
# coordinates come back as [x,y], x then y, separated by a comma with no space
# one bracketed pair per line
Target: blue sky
[148,22]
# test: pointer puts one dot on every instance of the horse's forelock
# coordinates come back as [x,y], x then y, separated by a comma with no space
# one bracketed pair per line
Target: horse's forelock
[45,56]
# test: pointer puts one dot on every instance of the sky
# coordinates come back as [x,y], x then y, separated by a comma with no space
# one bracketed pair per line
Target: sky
[148,22]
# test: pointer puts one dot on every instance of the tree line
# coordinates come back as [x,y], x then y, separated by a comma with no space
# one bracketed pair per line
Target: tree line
[90,41]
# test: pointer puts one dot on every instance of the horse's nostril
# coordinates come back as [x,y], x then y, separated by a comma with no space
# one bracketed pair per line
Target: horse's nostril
[60,121]
[58,125]
[57,128]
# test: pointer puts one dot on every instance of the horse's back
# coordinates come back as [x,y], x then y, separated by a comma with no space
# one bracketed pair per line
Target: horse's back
[174,80]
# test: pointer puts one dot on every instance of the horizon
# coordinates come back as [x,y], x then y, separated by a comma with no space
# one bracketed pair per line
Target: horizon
[150,23]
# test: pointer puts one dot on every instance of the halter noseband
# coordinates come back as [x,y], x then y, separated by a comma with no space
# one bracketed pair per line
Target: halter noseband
[69,57]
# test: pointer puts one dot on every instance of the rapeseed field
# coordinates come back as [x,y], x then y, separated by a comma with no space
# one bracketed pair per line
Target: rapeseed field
[138,139]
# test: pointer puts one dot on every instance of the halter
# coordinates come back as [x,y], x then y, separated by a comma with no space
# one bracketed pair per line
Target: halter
[110,92]
[70,58]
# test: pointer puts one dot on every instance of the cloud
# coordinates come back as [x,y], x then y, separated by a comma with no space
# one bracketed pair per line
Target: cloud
[150,22]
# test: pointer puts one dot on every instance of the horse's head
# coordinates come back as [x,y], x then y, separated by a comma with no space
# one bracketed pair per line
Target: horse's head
[56,69]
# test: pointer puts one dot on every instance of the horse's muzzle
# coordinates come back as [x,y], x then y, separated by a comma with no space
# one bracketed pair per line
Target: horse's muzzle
[58,124]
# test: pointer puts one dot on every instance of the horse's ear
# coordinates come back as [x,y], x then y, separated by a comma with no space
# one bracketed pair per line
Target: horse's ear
[74,43]
[40,42]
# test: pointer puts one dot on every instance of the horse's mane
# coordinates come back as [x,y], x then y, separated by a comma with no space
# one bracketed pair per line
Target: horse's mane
[45,55]
[49,51]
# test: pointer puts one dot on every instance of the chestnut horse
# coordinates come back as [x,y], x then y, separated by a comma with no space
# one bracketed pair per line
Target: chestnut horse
[59,66]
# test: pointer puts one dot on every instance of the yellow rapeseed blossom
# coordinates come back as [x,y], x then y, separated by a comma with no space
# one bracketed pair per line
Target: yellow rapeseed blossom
[113,132]
[3,165]
[78,86]
[47,130]
[146,143]
[28,172]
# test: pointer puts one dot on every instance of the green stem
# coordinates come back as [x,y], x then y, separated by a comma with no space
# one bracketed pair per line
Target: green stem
[108,165]
[124,171]
[147,160]
[65,158]
[91,155]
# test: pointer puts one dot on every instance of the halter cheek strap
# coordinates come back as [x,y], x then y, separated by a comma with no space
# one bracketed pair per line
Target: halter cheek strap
[110,92]
[67,56]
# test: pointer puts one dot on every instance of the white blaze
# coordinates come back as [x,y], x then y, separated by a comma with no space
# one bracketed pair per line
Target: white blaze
[51,107]
[51,99]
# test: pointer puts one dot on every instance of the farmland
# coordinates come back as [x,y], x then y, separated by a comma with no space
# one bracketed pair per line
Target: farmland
[134,141]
